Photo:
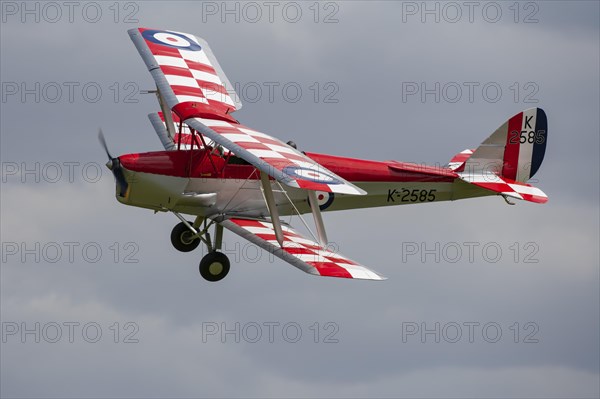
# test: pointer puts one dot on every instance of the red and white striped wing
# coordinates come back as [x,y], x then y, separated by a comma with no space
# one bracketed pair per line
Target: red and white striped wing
[272,156]
[299,251]
[193,85]
[185,69]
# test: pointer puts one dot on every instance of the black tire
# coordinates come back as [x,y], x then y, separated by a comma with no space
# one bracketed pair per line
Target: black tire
[179,241]
[214,266]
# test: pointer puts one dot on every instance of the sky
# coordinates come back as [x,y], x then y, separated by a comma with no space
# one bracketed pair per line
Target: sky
[482,299]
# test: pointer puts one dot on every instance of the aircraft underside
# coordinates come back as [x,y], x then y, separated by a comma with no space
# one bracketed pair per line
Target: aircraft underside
[244,198]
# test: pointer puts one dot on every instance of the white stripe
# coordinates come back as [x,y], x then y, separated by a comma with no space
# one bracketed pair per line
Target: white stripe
[526,149]
[170,61]
[527,190]
[183,99]
[282,149]
[239,138]
[265,154]
[487,178]
[213,122]
[181,81]
[289,244]
[255,133]
[206,77]
[361,272]
[311,258]
[343,188]
[304,164]
[197,56]
[258,230]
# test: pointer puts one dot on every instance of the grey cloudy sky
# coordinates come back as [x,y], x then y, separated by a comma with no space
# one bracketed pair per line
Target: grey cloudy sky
[540,292]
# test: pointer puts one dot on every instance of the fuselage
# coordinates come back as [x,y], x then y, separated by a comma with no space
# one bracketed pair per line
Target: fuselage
[199,182]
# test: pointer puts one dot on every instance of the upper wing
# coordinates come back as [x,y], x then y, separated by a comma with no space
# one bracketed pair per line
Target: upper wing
[185,70]
[299,251]
[194,87]
[272,156]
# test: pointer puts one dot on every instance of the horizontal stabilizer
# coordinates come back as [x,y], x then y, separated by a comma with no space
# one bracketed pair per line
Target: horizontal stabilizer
[506,187]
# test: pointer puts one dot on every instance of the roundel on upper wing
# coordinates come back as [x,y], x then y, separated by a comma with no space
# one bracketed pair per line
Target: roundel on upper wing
[171,39]
[313,175]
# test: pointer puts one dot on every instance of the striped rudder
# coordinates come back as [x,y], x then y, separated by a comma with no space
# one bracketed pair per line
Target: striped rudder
[515,150]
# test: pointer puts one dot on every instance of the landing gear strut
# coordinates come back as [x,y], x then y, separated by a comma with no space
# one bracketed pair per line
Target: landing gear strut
[186,236]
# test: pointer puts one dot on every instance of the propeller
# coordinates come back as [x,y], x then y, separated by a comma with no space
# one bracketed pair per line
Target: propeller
[114,164]
[103,144]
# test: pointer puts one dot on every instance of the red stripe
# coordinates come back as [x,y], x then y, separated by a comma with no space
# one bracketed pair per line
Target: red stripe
[535,198]
[171,70]
[157,49]
[267,237]
[511,151]
[226,129]
[309,185]
[330,269]
[267,140]
[293,157]
[253,146]
[300,251]
[187,91]
[247,222]
[198,66]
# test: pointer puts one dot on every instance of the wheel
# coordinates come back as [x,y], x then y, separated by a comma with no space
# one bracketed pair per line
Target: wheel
[214,266]
[180,238]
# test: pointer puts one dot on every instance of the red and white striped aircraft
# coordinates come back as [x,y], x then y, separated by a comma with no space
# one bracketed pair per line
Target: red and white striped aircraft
[230,176]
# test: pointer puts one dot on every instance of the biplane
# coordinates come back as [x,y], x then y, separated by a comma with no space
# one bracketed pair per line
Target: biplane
[230,176]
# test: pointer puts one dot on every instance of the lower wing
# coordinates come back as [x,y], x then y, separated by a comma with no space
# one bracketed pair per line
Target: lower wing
[301,252]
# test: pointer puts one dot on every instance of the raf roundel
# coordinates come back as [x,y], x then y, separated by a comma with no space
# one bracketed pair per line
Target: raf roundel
[312,175]
[324,199]
[171,39]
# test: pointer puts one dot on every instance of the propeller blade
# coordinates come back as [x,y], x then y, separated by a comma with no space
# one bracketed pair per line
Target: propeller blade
[103,143]
[114,165]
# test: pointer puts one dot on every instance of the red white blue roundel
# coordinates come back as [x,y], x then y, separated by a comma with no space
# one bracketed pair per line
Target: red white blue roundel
[312,175]
[170,39]
[324,199]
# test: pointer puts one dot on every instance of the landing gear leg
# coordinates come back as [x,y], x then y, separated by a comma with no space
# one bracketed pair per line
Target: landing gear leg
[186,236]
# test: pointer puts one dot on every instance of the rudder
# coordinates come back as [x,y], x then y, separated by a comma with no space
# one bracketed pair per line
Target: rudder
[515,150]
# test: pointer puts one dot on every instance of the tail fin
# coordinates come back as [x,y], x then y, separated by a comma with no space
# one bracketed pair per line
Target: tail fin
[508,158]
[515,150]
